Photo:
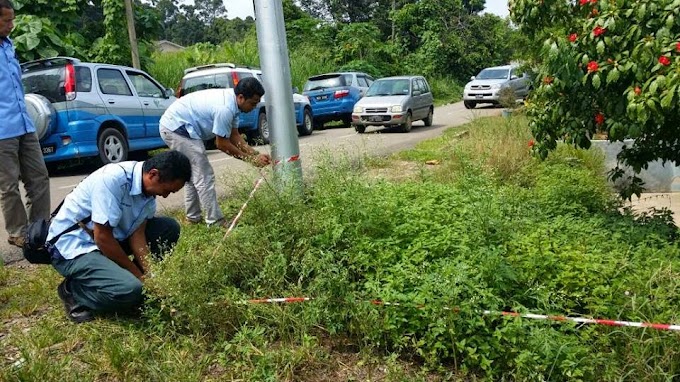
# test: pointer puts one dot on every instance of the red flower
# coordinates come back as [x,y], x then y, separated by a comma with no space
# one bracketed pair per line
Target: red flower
[547,80]
[531,143]
[637,90]
[583,2]
[598,31]
[574,36]
[599,118]
[593,2]
[677,47]
[665,61]
[592,66]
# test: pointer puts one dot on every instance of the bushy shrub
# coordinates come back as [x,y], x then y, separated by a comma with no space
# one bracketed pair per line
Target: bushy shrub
[441,251]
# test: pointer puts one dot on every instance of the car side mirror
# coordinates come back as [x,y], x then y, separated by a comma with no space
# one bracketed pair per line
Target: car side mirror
[513,77]
[472,78]
[417,92]
[169,93]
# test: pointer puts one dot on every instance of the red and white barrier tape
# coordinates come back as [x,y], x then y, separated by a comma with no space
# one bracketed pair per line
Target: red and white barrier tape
[294,158]
[579,320]
[240,212]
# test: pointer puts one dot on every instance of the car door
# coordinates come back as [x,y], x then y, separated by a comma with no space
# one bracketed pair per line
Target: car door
[363,84]
[119,100]
[153,100]
[417,96]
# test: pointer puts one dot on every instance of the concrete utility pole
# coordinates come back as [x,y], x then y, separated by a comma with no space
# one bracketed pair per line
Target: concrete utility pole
[134,50]
[275,65]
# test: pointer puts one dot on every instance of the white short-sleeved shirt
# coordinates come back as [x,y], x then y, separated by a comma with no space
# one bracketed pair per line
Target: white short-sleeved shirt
[113,194]
[204,114]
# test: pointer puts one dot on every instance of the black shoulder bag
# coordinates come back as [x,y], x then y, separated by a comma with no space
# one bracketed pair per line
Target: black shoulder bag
[35,250]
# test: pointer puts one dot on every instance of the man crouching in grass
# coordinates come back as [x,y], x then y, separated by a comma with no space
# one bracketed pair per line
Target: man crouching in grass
[118,204]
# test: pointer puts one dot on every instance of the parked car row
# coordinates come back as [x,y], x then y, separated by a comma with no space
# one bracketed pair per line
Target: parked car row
[84,110]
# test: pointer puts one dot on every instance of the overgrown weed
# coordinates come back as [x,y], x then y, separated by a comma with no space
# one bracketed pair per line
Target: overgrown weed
[487,228]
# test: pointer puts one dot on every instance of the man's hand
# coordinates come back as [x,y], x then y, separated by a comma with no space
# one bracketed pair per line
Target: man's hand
[261,160]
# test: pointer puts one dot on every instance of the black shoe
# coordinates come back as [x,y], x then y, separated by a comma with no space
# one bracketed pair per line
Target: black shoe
[75,313]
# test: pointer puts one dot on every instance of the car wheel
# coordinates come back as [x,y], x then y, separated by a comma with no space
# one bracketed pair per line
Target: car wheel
[360,129]
[469,104]
[113,147]
[428,120]
[347,121]
[406,126]
[307,125]
[263,128]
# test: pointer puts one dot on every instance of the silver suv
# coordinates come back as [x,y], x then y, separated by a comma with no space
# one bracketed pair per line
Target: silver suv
[395,101]
[487,85]
[93,110]
[254,124]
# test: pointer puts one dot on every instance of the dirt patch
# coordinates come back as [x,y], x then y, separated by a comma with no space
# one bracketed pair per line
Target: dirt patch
[400,170]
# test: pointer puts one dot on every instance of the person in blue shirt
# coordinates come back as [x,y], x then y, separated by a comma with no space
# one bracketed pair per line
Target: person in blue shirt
[204,115]
[20,152]
[116,208]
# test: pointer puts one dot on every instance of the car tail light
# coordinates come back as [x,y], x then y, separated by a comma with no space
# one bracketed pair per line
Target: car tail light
[178,92]
[70,82]
[341,93]
[234,78]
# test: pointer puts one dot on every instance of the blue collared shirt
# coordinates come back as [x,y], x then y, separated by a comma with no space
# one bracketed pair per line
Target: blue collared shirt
[113,194]
[13,114]
[204,114]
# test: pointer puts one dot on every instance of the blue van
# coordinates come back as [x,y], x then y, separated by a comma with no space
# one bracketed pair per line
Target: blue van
[84,110]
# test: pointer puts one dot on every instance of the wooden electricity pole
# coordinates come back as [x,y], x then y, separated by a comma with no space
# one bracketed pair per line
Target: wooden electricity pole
[132,34]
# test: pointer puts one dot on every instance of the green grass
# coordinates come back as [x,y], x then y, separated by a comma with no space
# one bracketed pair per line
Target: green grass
[486,226]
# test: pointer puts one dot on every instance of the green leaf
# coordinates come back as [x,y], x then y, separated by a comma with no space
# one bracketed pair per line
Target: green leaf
[613,75]
[600,47]
[667,99]
[596,81]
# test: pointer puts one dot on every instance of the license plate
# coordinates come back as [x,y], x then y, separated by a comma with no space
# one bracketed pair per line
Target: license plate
[375,118]
[48,150]
[322,97]
[479,96]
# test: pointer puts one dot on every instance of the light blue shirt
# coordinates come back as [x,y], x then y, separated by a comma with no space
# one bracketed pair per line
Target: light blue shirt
[204,114]
[113,194]
[13,114]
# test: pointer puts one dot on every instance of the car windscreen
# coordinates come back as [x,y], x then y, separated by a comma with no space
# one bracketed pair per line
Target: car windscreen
[388,88]
[47,82]
[195,84]
[493,74]
[323,82]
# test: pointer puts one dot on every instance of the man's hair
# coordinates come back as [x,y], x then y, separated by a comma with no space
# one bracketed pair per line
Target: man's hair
[6,4]
[171,165]
[249,87]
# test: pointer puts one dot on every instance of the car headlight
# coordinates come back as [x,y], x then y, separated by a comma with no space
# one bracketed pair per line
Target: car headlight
[396,109]
[496,86]
[358,109]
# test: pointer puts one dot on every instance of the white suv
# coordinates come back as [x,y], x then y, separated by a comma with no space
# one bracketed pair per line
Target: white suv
[254,124]
[486,86]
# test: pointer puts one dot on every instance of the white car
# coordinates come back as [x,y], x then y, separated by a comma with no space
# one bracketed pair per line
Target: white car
[487,85]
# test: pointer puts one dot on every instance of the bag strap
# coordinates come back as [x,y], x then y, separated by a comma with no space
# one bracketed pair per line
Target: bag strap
[74,227]
[81,223]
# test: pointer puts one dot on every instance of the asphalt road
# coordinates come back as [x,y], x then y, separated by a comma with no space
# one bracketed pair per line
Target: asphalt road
[335,141]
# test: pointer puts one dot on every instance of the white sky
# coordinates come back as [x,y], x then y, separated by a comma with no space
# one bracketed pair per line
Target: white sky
[244,8]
